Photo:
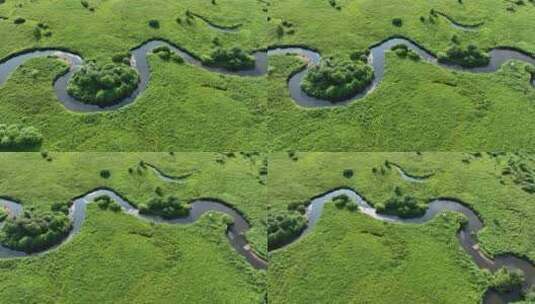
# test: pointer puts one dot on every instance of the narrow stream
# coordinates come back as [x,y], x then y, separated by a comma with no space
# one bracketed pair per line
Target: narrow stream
[139,61]
[235,233]
[467,236]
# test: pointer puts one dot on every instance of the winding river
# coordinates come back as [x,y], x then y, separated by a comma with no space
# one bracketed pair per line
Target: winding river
[139,61]
[235,232]
[466,235]
[410,177]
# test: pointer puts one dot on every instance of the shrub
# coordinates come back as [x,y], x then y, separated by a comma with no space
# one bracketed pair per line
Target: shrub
[282,228]
[505,280]
[402,206]
[19,20]
[340,201]
[348,173]
[17,136]
[3,214]
[169,207]
[154,23]
[397,22]
[469,57]
[337,79]
[360,55]
[121,58]
[105,173]
[60,207]
[33,232]
[103,85]
[165,53]
[233,59]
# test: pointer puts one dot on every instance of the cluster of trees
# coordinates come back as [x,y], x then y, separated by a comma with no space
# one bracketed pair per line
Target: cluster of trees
[103,85]
[342,201]
[505,280]
[233,59]
[404,206]
[35,231]
[105,202]
[165,53]
[403,51]
[282,228]
[168,208]
[337,79]
[18,136]
[470,57]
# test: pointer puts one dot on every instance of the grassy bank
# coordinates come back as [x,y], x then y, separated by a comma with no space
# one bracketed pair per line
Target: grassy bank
[39,182]
[495,186]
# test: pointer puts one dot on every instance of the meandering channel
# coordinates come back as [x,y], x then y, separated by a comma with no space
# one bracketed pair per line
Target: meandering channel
[410,177]
[466,235]
[235,232]
[498,56]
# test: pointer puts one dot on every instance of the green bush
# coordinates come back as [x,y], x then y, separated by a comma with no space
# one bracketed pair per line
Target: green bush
[18,136]
[3,214]
[505,280]
[103,85]
[233,59]
[165,53]
[169,207]
[340,201]
[469,57]
[105,173]
[33,232]
[105,202]
[154,23]
[282,228]
[19,20]
[348,173]
[397,22]
[337,79]
[402,206]
[61,207]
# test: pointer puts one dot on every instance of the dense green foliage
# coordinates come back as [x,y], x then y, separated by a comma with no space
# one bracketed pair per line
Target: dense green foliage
[284,227]
[233,59]
[505,280]
[469,57]
[170,207]
[34,231]
[17,136]
[104,202]
[404,206]
[103,85]
[337,79]
[165,53]
[343,201]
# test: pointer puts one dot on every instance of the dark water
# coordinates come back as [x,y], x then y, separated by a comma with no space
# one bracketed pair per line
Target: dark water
[410,177]
[139,61]
[467,236]
[235,233]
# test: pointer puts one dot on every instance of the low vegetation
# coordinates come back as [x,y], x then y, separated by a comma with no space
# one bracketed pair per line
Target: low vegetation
[505,280]
[104,202]
[337,79]
[166,54]
[343,201]
[470,57]
[17,136]
[34,231]
[170,207]
[233,59]
[284,227]
[103,85]
[404,206]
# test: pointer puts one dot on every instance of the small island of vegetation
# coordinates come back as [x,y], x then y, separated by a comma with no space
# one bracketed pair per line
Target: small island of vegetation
[103,85]
[337,79]
[233,59]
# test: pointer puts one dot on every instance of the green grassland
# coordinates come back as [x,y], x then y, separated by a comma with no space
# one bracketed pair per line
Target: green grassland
[235,179]
[185,108]
[417,106]
[414,263]
[362,23]
[119,259]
